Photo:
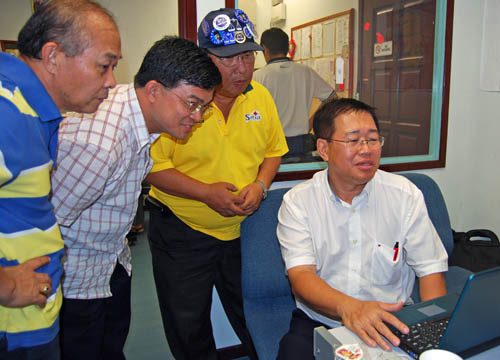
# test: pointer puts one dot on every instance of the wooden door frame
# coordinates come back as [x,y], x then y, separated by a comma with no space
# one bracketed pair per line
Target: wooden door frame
[188,27]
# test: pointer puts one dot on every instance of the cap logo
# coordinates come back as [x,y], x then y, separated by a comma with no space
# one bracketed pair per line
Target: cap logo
[228,38]
[221,22]
[236,24]
[239,37]
[216,37]
[205,27]
[250,31]
[241,16]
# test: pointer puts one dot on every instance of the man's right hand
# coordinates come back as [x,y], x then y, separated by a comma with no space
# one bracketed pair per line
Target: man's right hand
[367,319]
[22,286]
[220,198]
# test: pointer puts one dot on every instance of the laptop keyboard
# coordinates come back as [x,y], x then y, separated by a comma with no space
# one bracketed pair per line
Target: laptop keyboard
[423,336]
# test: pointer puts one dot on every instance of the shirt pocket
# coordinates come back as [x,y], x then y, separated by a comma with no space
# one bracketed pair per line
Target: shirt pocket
[386,265]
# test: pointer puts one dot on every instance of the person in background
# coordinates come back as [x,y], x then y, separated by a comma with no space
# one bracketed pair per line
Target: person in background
[293,86]
[354,237]
[204,187]
[68,49]
[102,160]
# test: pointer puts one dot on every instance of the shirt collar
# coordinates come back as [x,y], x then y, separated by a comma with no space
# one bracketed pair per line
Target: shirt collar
[249,88]
[30,86]
[363,197]
[144,138]
[281,59]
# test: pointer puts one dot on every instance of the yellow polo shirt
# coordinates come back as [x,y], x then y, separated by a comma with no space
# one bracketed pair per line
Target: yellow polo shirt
[218,151]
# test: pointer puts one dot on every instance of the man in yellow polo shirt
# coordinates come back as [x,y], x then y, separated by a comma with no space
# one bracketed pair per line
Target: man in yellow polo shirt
[203,187]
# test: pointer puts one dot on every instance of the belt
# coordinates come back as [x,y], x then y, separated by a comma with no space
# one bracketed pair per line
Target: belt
[150,203]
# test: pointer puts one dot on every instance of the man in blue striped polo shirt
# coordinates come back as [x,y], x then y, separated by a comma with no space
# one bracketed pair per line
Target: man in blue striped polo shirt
[68,50]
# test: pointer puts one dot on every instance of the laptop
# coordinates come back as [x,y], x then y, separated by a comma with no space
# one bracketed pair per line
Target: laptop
[470,321]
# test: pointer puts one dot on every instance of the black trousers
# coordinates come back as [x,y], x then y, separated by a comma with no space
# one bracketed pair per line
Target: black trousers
[97,328]
[186,265]
[49,351]
[298,343]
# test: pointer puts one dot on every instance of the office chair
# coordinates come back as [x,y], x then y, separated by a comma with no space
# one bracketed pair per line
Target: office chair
[267,299]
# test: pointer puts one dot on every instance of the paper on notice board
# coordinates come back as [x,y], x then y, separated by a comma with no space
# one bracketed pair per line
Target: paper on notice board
[339,70]
[490,47]
[306,43]
[329,38]
[297,37]
[317,40]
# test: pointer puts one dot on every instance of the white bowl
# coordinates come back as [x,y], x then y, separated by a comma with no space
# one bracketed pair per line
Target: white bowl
[437,354]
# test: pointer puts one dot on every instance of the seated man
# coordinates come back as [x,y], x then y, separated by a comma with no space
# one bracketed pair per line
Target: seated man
[353,237]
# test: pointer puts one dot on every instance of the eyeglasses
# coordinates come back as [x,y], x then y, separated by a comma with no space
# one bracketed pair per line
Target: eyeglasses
[247,59]
[192,107]
[356,144]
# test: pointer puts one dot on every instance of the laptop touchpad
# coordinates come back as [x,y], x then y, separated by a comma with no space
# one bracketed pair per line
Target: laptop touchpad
[431,310]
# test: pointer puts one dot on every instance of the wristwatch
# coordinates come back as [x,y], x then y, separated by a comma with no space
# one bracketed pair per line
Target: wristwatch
[264,193]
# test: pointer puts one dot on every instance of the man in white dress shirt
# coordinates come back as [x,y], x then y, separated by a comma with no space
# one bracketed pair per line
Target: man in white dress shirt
[101,162]
[353,237]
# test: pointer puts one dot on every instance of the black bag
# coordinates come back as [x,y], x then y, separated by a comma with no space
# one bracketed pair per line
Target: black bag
[475,255]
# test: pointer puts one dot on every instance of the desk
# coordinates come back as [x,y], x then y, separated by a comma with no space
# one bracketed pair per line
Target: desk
[326,340]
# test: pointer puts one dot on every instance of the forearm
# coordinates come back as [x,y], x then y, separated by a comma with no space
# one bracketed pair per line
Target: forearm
[173,182]
[268,170]
[316,292]
[432,286]
[7,287]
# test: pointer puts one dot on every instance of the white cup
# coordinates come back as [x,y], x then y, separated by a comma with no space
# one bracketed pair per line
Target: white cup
[437,354]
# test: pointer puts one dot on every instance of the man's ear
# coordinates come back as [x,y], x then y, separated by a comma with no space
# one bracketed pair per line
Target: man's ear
[50,54]
[322,148]
[153,90]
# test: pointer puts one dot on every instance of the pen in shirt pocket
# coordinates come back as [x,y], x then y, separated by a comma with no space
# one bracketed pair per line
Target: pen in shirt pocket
[396,251]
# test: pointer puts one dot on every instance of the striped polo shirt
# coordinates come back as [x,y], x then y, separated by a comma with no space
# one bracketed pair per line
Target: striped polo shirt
[28,141]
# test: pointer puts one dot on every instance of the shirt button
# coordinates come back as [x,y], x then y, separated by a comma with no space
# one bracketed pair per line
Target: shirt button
[220,121]
[353,211]
[355,241]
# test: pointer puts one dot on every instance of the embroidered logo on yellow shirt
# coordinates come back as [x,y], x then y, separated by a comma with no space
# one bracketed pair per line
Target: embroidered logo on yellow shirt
[253,116]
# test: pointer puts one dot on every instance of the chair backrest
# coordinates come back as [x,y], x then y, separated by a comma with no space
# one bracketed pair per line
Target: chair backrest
[456,276]
[436,207]
[267,299]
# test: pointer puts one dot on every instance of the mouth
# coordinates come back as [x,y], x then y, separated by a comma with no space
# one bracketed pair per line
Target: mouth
[239,82]
[365,165]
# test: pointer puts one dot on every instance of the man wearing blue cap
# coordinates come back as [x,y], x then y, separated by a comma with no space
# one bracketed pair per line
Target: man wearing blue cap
[204,187]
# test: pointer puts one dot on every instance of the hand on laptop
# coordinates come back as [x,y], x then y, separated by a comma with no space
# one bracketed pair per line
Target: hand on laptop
[366,319]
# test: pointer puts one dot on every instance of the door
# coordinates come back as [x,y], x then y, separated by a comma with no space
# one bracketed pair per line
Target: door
[396,70]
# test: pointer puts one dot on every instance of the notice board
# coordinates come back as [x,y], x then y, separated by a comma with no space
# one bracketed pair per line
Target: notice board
[327,46]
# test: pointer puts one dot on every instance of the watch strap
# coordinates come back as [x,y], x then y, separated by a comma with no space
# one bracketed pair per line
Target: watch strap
[264,188]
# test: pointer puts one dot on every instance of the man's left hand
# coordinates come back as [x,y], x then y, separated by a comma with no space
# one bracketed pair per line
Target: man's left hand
[252,195]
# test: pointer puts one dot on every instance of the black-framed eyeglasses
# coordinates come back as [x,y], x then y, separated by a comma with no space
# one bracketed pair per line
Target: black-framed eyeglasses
[247,58]
[355,144]
[191,106]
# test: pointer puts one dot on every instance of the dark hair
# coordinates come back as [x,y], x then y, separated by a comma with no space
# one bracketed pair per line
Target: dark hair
[324,118]
[61,21]
[172,60]
[276,40]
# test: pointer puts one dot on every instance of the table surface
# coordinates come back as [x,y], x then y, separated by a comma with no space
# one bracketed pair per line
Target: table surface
[346,336]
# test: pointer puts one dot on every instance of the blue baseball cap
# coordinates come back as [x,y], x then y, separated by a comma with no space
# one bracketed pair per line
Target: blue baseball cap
[227,32]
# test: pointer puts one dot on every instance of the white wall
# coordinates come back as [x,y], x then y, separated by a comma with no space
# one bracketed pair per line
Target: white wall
[13,15]
[470,181]
[141,23]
